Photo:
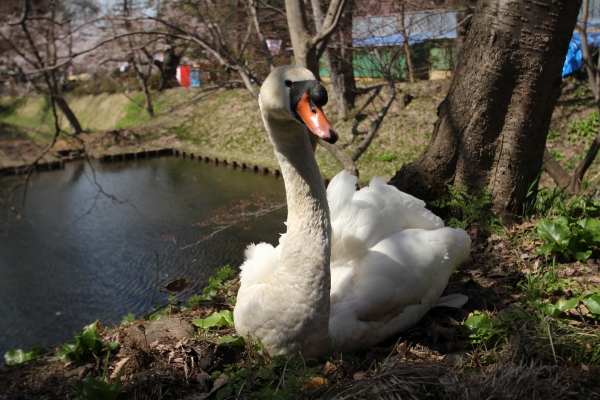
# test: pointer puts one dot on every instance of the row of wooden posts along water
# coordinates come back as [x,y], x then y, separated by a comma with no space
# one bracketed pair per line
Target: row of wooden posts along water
[230,163]
[59,164]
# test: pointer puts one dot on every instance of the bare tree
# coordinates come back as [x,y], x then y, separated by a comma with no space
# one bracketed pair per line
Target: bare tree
[308,47]
[252,8]
[41,45]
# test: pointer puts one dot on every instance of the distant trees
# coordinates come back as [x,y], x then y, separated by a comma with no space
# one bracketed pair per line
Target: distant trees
[41,39]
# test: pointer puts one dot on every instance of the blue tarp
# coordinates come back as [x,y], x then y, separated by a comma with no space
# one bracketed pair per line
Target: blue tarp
[574,60]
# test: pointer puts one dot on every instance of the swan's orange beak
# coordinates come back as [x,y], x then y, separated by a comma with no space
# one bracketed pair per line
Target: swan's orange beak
[315,119]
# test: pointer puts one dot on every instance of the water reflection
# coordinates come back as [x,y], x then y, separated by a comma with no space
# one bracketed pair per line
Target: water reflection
[76,254]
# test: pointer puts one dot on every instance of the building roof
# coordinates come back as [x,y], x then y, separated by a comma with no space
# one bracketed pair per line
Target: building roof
[386,30]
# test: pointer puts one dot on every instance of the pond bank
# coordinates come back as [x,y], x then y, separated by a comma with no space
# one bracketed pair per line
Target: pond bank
[19,156]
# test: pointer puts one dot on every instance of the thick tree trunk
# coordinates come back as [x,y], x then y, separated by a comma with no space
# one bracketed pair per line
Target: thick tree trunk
[66,110]
[492,126]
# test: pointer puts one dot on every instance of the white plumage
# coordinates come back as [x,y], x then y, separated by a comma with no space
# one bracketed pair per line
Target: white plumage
[355,267]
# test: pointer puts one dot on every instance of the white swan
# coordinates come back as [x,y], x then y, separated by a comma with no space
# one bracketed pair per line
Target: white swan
[390,257]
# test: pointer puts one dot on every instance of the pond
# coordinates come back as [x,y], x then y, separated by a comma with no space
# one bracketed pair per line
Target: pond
[90,239]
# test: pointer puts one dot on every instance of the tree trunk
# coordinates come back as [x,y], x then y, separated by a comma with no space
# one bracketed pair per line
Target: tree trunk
[261,38]
[168,69]
[305,55]
[407,51]
[307,48]
[340,65]
[66,110]
[492,126]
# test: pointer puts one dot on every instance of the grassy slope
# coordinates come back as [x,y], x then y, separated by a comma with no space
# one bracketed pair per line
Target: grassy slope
[227,124]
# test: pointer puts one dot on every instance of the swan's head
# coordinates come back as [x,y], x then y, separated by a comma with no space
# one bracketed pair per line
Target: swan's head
[293,93]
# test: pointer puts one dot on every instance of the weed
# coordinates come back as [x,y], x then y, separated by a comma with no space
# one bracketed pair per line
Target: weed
[584,129]
[98,389]
[387,157]
[216,284]
[19,356]
[552,136]
[545,324]
[282,378]
[86,345]
[470,208]
[558,156]
[569,237]
[128,319]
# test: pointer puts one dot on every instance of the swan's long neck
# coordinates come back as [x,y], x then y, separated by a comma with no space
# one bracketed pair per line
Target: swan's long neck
[303,270]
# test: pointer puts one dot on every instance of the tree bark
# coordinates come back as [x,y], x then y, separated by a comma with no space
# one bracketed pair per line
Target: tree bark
[308,48]
[492,126]
[66,110]
[261,37]
[338,59]
[407,51]
[168,69]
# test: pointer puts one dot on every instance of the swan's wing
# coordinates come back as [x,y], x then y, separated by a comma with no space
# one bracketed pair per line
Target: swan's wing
[393,285]
[362,219]
[261,262]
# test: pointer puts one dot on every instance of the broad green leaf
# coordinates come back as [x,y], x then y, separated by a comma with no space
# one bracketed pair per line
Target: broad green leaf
[95,389]
[563,304]
[546,248]
[477,322]
[582,255]
[90,338]
[19,356]
[68,352]
[237,341]
[553,231]
[593,303]
[551,310]
[224,318]
[112,346]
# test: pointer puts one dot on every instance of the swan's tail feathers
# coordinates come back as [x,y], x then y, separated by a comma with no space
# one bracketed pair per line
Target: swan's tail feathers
[458,245]
[413,209]
[452,301]
[340,191]
[260,265]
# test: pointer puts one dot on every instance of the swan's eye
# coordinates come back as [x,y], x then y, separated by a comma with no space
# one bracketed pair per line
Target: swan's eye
[288,83]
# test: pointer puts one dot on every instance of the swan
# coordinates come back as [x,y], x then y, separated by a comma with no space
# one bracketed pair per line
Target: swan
[354,267]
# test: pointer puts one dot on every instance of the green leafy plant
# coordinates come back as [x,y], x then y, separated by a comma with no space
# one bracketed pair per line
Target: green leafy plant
[98,389]
[470,208]
[569,237]
[483,329]
[223,318]
[280,378]
[387,157]
[85,344]
[585,128]
[19,356]
[216,285]
[128,319]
